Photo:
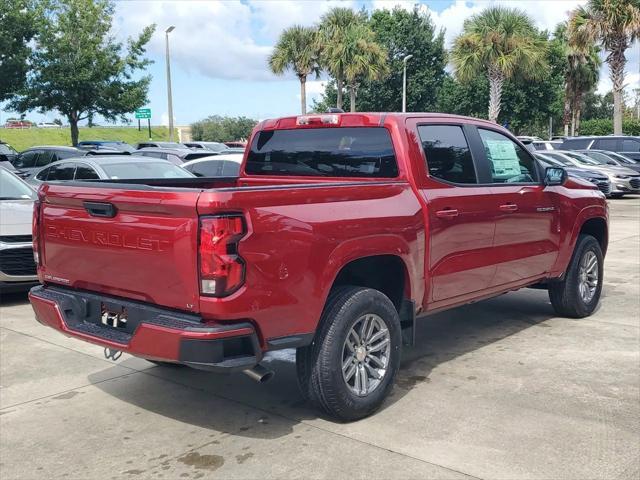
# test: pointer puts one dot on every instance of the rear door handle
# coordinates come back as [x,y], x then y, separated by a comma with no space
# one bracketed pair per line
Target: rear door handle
[508,207]
[448,213]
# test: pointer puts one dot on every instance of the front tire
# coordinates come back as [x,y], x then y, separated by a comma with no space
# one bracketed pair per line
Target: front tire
[577,296]
[350,367]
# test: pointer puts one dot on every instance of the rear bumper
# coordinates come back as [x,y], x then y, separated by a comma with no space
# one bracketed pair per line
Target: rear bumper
[150,332]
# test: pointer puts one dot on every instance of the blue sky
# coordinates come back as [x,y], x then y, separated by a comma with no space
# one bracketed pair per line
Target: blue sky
[219,49]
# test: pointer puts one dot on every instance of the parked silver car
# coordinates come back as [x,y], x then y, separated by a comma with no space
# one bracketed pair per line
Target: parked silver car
[623,180]
[17,266]
[108,167]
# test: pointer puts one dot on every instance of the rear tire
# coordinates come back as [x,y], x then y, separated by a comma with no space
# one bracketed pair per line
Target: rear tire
[578,294]
[350,367]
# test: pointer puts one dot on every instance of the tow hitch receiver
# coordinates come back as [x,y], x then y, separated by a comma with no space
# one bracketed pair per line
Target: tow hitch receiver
[111,354]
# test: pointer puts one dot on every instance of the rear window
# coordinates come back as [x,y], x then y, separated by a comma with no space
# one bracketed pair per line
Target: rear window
[323,152]
[144,170]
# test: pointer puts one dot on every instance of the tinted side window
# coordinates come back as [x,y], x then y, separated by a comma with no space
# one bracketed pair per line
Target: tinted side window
[45,158]
[206,169]
[447,152]
[323,152]
[630,145]
[85,172]
[63,171]
[509,162]
[43,174]
[230,169]
[26,160]
[606,144]
[62,154]
[575,143]
[153,154]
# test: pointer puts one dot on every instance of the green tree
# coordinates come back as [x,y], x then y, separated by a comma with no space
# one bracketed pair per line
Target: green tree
[615,24]
[222,129]
[18,20]
[297,50]
[401,33]
[581,73]
[332,43]
[80,70]
[498,42]
[526,106]
[598,106]
[365,59]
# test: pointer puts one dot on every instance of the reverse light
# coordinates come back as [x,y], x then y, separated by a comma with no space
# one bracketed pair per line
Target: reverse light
[318,120]
[221,267]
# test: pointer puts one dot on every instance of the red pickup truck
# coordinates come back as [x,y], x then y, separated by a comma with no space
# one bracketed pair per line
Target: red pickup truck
[340,232]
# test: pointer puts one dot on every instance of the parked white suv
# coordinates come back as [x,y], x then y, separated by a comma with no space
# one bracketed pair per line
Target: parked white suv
[17,267]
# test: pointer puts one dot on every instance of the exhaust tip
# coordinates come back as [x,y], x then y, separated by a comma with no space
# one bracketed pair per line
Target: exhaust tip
[259,373]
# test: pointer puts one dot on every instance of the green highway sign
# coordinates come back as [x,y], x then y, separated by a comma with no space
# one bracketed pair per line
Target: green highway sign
[143,113]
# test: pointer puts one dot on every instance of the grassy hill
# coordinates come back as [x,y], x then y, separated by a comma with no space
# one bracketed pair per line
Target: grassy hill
[21,139]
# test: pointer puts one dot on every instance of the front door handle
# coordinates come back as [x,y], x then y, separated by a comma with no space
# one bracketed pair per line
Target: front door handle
[508,207]
[448,213]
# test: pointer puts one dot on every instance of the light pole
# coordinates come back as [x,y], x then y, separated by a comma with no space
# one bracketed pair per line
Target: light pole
[404,82]
[170,100]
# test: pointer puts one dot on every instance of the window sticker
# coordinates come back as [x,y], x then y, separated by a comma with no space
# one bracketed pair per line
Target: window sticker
[502,154]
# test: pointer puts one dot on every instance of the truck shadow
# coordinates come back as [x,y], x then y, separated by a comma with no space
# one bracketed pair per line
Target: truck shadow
[440,338]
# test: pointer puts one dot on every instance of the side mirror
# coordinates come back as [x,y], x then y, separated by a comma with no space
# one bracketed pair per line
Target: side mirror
[554,176]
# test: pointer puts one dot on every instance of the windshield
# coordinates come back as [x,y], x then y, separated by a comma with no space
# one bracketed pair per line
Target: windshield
[560,159]
[144,170]
[601,157]
[622,158]
[549,160]
[584,159]
[12,188]
[7,149]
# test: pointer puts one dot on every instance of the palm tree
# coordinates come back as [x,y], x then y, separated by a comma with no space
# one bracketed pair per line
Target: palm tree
[499,42]
[296,50]
[581,75]
[615,24]
[333,29]
[364,58]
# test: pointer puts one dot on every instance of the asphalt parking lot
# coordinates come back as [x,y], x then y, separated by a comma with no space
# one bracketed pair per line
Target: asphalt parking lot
[496,390]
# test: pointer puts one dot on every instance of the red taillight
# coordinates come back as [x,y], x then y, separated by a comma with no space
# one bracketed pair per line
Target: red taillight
[221,268]
[35,227]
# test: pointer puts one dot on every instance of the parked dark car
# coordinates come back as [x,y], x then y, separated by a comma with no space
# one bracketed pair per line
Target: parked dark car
[236,144]
[626,145]
[108,167]
[176,156]
[612,158]
[152,144]
[106,144]
[213,146]
[7,152]
[35,158]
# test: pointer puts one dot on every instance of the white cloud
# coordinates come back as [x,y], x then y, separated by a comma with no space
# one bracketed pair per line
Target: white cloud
[212,38]
[232,39]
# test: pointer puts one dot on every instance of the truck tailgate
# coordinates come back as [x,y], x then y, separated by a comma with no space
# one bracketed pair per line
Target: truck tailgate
[134,242]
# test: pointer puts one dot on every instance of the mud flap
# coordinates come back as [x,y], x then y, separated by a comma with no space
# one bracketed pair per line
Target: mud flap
[408,323]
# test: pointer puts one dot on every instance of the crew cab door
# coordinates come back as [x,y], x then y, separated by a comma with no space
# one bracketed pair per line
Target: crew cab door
[526,237]
[460,217]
